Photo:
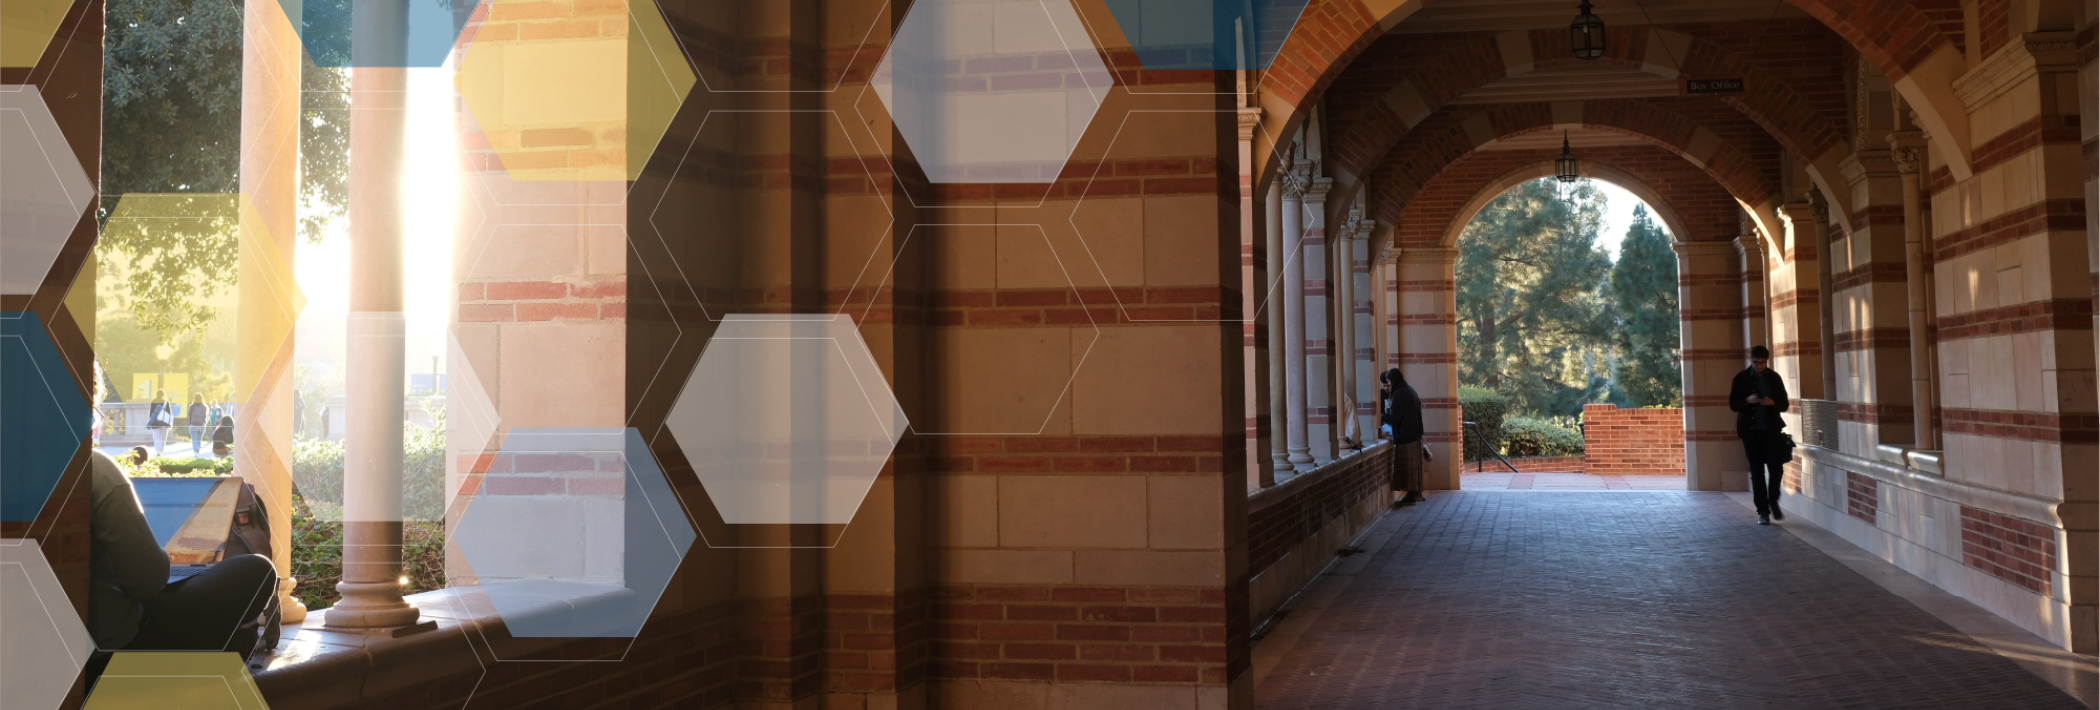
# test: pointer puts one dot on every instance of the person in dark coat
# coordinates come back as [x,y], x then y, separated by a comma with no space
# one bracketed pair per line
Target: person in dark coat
[160,417]
[222,438]
[1758,395]
[1400,414]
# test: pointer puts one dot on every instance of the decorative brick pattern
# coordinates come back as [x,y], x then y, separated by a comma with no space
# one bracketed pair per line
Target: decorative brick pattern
[528,301]
[1090,634]
[1065,455]
[1862,497]
[2019,551]
[2026,426]
[1632,441]
[1276,528]
[875,642]
[2035,317]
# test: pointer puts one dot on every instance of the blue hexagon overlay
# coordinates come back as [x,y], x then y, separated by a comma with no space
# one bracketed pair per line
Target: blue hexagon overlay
[1206,34]
[433,27]
[573,533]
[46,416]
[45,645]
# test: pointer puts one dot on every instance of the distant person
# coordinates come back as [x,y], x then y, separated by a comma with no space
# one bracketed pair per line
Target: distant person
[1401,420]
[1758,396]
[139,456]
[131,603]
[222,438]
[198,423]
[160,417]
[324,422]
[298,414]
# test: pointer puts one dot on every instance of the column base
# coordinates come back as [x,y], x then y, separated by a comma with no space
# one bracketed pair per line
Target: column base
[291,609]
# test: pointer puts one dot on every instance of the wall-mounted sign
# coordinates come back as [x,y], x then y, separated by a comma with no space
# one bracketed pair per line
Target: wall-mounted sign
[1713,86]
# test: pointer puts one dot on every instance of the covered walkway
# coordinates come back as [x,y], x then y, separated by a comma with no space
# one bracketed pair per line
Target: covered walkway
[1481,599]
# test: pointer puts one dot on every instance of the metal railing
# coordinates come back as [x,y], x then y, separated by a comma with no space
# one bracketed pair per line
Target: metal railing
[1480,464]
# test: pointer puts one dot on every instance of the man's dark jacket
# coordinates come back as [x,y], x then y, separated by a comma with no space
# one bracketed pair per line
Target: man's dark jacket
[1746,413]
[1403,412]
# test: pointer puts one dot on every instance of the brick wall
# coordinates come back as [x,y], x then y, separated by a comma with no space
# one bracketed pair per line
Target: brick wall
[1862,497]
[1548,464]
[1275,528]
[1632,442]
[2022,552]
[1072,633]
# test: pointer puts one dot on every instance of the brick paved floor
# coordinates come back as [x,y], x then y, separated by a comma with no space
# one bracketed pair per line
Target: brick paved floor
[1506,481]
[1642,600]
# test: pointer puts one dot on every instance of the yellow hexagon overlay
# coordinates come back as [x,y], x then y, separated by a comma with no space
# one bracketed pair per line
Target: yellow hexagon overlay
[160,680]
[265,316]
[574,91]
[26,29]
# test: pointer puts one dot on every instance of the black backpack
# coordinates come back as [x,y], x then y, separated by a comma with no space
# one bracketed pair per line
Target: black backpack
[250,535]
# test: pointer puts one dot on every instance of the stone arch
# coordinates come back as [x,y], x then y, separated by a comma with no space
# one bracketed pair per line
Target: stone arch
[1450,137]
[1899,38]
[1657,204]
[1770,102]
[1698,208]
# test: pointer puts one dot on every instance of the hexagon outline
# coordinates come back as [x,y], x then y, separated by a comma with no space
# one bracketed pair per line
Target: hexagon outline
[896,436]
[1260,80]
[1068,283]
[460,35]
[1100,97]
[33,325]
[28,555]
[1274,286]
[632,439]
[69,177]
[870,32]
[658,230]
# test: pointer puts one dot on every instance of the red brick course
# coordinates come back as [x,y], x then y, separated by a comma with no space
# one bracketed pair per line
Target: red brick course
[1632,441]
[1178,635]
[1276,528]
[2019,551]
[1862,497]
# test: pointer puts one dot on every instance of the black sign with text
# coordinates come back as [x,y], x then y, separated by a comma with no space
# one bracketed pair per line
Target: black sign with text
[1713,86]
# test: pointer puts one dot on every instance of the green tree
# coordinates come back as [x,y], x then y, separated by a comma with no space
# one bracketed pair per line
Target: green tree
[1643,297]
[1530,316]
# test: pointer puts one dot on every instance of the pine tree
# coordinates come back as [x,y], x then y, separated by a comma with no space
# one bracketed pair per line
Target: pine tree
[1530,310]
[1643,295]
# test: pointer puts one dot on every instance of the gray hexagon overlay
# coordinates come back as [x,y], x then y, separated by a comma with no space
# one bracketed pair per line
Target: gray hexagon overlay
[45,644]
[995,91]
[787,419]
[574,533]
[43,190]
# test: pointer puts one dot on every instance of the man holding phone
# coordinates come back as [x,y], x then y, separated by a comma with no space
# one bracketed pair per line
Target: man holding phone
[1758,395]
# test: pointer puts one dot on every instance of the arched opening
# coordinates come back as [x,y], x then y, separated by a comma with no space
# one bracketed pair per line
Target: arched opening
[1566,312]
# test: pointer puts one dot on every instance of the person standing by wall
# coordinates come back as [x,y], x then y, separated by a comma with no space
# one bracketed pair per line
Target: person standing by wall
[160,417]
[1758,396]
[1401,419]
[196,415]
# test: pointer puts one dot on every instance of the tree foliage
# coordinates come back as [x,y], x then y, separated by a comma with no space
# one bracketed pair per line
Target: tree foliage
[1531,318]
[1644,300]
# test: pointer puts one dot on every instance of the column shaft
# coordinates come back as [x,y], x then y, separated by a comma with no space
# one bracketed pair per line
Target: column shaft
[1427,307]
[1909,152]
[1259,474]
[1361,343]
[1273,310]
[1344,342]
[1319,343]
[1711,332]
[1294,320]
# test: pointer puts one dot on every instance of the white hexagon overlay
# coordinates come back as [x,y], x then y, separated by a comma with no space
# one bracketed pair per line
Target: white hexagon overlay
[787,419]
[45,644]
[43,190]
[992,91]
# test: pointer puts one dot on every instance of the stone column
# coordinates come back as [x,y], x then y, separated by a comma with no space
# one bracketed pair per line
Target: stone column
[1907,148]
[1273,310]
[1797,313]
[1365,354]
[1825,324]
[270,180]
[1295,183]
[1428,353]
[1868,318]
[1319,342]
[1259,474]
[375,370]
[1344,336]
[1750,249]
[1711,332]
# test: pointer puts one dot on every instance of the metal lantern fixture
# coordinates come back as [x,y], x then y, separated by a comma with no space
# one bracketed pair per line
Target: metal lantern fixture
[1586,34]
[1564,166]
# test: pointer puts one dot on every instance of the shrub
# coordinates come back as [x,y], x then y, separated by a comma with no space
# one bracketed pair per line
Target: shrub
[317,553]
[1485,408]
[317,471]
[1528,436]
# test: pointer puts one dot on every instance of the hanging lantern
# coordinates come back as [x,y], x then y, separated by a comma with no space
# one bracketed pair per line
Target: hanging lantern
[1586,34]
[1564,166]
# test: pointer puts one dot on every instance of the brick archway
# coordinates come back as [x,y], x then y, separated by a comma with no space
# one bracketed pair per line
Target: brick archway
[1897,36]
[1657,204]
[1698,208]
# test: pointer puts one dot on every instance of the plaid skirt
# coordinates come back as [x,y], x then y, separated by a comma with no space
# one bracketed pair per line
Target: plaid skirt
[1407,467]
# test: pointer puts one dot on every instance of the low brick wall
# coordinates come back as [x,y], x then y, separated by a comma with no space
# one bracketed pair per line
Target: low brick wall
[1294,528]
[1540,464]
[1632,442]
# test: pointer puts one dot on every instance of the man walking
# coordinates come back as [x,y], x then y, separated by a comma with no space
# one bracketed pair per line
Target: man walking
[1758,396]
[1401,418]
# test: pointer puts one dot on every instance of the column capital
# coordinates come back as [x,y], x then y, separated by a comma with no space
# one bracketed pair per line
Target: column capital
[1907,149]
[1316,191]
[1249,119]
[1864,165]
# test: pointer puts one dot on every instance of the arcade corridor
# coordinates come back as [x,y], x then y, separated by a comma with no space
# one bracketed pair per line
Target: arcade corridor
[1663,599]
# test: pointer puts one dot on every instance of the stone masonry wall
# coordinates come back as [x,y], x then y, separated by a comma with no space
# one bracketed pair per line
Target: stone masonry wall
[1632,441]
